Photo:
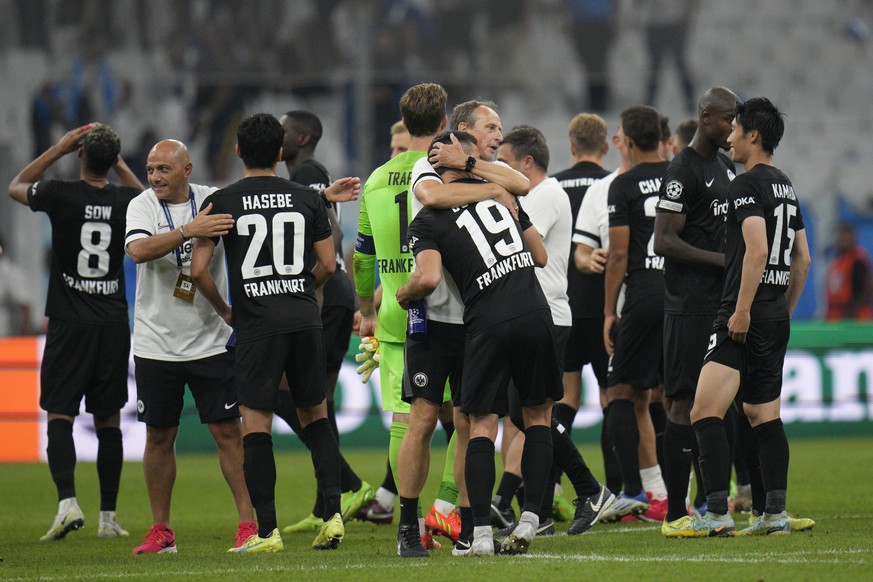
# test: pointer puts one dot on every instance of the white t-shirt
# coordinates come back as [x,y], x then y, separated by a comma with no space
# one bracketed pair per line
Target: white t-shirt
[592,224]
[444,304]
[166,327]
[549,210]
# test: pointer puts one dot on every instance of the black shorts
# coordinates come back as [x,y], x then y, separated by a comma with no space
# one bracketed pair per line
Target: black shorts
[637,358]
[585,346]
[160,389]
[522,349]
[685,341]
[428,363]
[83,360]
[336,321]
[759,360]
[260,363]
[562,335]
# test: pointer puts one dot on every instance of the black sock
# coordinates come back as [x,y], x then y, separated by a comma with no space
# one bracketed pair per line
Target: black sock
[677,460]
[774,453]
[349,480]
[110,457]
[739,459]
[259,467]
[569,460]
[730,429]
[409,511]
[659,421]
[610,463]
[61,453]
[388,484]
[326,460]
[519,497]
[509,483]
[479,475]
[449,428]
[466,524]
[331,418]
[536,465]
[748,449]
[625,437]
[545,511]
[715,462]
[565,415]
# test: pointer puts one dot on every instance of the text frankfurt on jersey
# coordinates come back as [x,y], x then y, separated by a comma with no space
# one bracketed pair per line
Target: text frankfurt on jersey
[272,200]
[274,287]
[507,265]
[402,265]
[99,287]
[775,277]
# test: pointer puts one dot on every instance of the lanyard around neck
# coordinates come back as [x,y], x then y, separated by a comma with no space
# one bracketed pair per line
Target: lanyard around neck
[178,250]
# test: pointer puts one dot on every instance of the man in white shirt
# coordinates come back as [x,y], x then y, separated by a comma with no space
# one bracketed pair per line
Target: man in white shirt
[178,337]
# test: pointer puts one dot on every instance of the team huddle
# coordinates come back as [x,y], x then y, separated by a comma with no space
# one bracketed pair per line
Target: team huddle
[483,286]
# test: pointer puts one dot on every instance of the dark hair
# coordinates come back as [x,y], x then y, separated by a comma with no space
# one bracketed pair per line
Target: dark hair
[101,146]
[759,114]
[642,124]
[259,138]
[308,123]
[466,112]
[665,127]
[423,108]
[686,130]
[529,141]
[446,137]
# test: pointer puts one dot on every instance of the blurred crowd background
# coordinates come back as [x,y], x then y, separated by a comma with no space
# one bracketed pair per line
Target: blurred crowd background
[191,69]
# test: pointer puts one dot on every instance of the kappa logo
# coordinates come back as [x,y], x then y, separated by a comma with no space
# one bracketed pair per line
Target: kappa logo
[140,406]
[420,379]
[673,189]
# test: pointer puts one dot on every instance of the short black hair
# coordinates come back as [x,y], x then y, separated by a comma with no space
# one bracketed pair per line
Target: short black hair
[308,123]
[260,138]
[758,113]
[446,137]
[101,146]
[685,131]
[529,141]
[642,124]
[466,112]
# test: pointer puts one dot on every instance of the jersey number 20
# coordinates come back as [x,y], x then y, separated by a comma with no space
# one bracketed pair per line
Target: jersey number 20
[255,225]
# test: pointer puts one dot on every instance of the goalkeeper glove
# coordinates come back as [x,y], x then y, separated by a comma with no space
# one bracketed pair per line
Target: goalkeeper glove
[368,357]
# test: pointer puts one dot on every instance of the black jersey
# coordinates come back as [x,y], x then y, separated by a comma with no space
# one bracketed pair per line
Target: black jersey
[698,188]
[338,289]
[766,192]
[86,282]
[269,254]
[484,251]
[633,197]
[585,291]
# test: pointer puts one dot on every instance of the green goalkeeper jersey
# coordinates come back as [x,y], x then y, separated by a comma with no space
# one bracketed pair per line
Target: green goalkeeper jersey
[382,241]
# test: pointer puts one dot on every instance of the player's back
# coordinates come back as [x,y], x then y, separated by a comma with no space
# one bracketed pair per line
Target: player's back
[766,192]
[385,216]
[633,197]
[86,283]
[270,254]
[484,250]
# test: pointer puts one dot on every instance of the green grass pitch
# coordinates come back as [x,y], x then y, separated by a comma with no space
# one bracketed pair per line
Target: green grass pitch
[829,481]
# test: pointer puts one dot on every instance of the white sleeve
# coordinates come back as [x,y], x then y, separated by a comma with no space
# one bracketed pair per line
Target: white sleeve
[422,171]
[586,230]
[540,210]
[141,219]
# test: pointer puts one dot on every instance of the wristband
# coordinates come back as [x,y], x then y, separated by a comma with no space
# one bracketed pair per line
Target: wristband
[324,197]
[471,161]
[182,232]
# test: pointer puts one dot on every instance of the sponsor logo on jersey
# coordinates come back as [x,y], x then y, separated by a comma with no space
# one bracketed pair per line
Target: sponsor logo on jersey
[744,201]
[577,182]
[673,190]
[719,207]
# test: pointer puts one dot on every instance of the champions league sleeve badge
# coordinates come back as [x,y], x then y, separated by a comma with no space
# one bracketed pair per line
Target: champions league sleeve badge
[673,190]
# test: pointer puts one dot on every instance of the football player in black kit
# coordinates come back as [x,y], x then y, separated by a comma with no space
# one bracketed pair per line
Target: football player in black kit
[492,257]
[766,264]
[303,131]
[88,339]
[634,340]
[689,234]
[279,252]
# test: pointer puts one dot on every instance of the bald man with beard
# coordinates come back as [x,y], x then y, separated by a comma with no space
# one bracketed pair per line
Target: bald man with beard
[178,337]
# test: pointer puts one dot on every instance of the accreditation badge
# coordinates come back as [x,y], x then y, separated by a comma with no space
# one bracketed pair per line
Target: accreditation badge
[185,288]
